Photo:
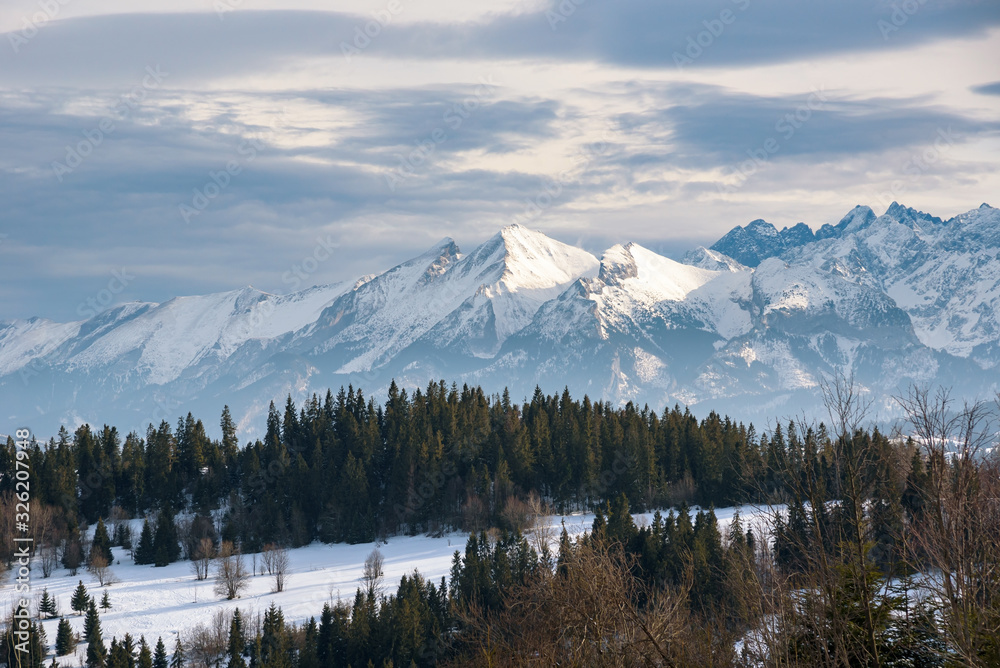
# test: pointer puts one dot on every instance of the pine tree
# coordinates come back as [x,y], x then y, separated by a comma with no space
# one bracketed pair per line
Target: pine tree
[308,655]
[129,644]
[178,660]
[73,551]
[80,600]
[47,606]
[96,651]
[237,641]
[117,656]
[145,659]
[144,552]
[160,655]
[166,548]
[65,639]
[105,601]
[21,651]
[101,545]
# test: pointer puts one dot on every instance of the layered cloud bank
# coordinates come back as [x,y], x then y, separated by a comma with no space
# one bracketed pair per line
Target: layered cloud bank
[387,124]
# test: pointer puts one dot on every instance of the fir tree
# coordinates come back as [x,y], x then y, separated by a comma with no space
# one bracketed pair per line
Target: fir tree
[145,659]
[105,601]
[96,651]
[128,642]
[166,548]
[47,606]
[21,651]
[101,545]
[237,641]
[117,657]
[65,639]
[160,655]
[144,552]
[80,599]
[178,660]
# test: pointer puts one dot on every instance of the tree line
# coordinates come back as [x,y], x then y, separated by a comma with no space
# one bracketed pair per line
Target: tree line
[865,549]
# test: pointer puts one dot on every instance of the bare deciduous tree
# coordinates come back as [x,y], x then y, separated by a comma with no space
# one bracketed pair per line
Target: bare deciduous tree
[539,528]
[202,558]
[101,570]
[207,643]
[957,536]
[267,558]
[373,572]
[231,576]
[48,557]
[279,563]
[588,615]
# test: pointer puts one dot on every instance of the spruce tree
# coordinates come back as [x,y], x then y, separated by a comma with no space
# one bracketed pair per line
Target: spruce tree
[105,601]
[237,642]
[96,651]
[178,660]
[115,658]
[65,639]
[166,548]
[128,642]
[20,651]
[101,545]
[144,552]
[160,655]
[145,659]
[80,599]
[47,606]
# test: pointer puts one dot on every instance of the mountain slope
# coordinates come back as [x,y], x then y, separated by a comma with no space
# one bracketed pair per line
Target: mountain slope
[751,326]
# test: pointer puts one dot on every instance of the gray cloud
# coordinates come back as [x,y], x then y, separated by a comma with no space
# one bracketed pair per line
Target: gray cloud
[709,126]
[644,33]
[988,89]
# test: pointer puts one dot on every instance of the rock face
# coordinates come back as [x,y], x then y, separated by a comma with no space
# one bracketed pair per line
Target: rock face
[750,326]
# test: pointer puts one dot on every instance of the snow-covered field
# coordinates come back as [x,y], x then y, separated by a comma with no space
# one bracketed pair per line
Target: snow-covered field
[169,601]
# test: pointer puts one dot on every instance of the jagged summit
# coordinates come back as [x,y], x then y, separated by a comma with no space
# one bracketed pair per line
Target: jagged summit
[751,324]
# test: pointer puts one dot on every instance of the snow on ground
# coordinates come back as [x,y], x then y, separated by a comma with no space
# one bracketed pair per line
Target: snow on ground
[162,602]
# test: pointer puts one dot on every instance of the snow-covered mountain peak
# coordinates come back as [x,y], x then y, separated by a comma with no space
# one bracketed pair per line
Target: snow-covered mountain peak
[656,278]
[704,258]
[915,220]
[856,219]
[762,228]
[897,298]
[524,259]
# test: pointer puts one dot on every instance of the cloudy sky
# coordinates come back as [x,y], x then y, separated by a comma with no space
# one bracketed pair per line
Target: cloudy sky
[203,145]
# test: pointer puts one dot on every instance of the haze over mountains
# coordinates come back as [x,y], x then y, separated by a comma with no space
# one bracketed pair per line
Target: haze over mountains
[749,327]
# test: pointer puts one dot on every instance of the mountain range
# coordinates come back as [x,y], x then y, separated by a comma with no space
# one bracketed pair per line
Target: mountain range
[750,326]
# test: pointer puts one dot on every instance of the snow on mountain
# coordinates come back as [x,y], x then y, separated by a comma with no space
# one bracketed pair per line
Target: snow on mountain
[760,240]
[709,259]
[944,274]
[164,340]
[22,341]
[750,326]
[442,297]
